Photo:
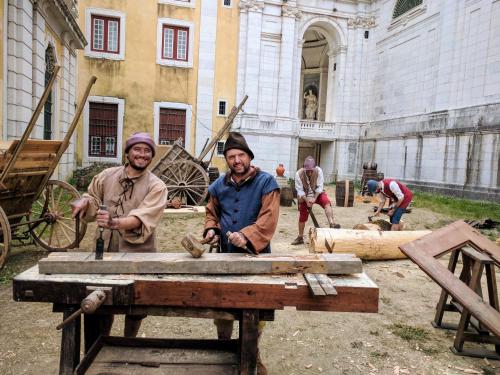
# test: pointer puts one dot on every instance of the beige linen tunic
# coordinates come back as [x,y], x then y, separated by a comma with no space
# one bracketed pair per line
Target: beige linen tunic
[144,197]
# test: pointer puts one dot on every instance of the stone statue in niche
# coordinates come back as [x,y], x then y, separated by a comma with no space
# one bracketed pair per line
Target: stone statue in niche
[311,104]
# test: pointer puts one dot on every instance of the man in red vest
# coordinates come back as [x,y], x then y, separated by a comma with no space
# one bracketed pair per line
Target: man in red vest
[399,198]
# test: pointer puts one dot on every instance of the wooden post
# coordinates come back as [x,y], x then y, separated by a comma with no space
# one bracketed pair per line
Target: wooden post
[65,142]
[70,344]
[249,333]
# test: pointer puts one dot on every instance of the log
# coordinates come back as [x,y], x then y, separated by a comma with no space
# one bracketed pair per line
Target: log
[365,244]
[210,264]
[366,226]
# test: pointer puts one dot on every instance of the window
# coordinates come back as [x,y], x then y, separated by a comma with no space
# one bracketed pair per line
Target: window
[403,6]
[103,129]
[175,43]
[172,126]
[222,108]
[172,121]
[106,34]
[220,148]
[226,3]
[180,3]
[50,61]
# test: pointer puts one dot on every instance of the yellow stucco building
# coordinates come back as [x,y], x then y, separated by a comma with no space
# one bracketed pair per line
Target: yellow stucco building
[167,67]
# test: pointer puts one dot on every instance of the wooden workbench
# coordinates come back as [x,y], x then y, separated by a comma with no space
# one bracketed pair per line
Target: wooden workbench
[247,298]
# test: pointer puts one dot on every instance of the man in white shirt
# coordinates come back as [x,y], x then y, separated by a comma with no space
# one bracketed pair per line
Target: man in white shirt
[309,182]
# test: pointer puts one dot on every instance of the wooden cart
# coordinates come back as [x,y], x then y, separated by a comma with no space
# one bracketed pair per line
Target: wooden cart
[187,176]
[28,198]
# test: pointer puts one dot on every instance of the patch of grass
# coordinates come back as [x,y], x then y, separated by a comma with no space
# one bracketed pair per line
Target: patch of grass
[386,300]
[18,262]
[379,354]
[374,333]
[457,207]
[356,344]
[488,370]
[409,333]
[429,350]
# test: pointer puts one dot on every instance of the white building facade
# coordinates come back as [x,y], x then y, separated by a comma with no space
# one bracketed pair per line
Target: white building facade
[39,34]
[412,85]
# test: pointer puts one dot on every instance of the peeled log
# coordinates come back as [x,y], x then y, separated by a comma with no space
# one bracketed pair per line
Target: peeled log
[366,244]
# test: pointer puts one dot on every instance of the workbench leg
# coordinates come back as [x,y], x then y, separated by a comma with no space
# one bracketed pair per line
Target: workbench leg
[94,326]
[248,341]
[70,344]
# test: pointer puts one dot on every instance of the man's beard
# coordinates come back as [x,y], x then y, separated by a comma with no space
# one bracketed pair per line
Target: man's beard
[136,167]
[245,171]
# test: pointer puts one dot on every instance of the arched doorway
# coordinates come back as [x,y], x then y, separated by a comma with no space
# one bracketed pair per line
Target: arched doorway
[314,75]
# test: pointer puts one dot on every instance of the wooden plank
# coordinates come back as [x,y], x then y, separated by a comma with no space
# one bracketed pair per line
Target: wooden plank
[455,236]
[356,293]
[313,284]
[327,284]
[184,263]
[191,369]
[452,284]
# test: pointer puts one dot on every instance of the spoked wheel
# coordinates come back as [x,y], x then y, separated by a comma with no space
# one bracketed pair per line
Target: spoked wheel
[5,237]
[187,180]
[57,231]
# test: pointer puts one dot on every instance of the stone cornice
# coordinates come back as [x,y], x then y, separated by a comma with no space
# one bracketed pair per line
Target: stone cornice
[361,22]
[290,11]
[251,5]
[61,18]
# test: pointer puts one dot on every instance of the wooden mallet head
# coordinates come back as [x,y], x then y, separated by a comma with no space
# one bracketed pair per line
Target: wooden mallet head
[193,245]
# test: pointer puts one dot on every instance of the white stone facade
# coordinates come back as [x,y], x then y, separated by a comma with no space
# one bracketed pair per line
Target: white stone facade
[419,94]
[31,27]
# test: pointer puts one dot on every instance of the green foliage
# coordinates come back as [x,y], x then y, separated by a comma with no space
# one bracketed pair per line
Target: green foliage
[409,333]
[457,208]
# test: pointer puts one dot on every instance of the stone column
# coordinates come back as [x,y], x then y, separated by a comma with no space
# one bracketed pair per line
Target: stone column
[340,86]
[206,74]
[289,14]
[253,44]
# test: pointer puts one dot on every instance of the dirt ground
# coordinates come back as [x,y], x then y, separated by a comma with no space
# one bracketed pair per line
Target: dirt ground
[397,340]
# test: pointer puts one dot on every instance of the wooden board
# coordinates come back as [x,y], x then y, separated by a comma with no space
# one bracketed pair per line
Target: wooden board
[366,244]
[211,263]
[185,210]
[356,293]
[140,356]
[455,236]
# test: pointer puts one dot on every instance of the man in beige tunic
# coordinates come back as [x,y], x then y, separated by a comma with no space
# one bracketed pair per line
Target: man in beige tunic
[135,199]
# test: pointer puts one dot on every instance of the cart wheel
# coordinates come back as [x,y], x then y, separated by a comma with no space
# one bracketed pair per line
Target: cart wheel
[187,180]
[58,230]
[5,237]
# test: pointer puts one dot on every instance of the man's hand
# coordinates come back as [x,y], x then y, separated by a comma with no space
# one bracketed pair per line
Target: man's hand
[79,207]
[211,238]
[237,239]
[377,213]
[391,212]
[310,202]
[103,219]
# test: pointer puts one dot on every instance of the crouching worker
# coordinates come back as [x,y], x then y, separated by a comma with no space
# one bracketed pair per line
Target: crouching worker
[399,198]
[245,201]
[135,199]
[309,182]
